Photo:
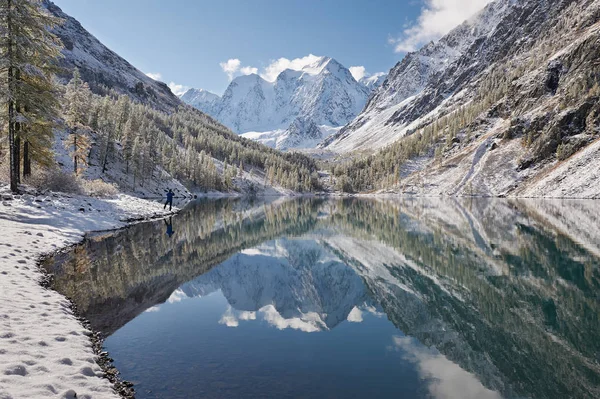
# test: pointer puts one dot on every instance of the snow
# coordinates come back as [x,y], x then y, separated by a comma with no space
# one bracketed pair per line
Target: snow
[577,177]
[373,81]
[323,92]
[286,139]
[86,52]
[45,352]
[407,83]
[201,99]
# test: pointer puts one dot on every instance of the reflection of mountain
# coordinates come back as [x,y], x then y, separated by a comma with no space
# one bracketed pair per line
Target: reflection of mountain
[297,278]
[114,278]
[497,287]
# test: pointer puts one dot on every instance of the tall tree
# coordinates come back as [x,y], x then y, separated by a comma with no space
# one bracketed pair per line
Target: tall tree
[77,104]
[28,51]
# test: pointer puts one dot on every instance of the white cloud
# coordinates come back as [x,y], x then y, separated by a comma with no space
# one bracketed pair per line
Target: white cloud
[229,318]
[444,378]
[309,322]
[355,315]
[437,18]
[155,76]
[358,72]
[247,70]
[273,70]
[178,89]
[176,296]
[231,66]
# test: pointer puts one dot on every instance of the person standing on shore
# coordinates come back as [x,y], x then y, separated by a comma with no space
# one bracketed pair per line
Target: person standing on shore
[170,195]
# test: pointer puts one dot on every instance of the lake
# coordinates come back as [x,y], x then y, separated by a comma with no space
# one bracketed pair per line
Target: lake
[349,298]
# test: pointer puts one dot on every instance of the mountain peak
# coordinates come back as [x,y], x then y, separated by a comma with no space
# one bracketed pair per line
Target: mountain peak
[323,91]
[316,66]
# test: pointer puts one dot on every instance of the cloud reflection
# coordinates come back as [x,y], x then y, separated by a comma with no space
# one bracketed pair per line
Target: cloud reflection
[446,379]
[307,322]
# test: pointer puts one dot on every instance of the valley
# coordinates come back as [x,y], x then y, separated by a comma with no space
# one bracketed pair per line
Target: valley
[436,221]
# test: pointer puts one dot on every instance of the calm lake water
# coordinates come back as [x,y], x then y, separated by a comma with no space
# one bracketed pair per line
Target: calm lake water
[349,298]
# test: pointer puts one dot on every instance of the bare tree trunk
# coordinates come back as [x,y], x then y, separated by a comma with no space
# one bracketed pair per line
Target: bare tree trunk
[17,157]
[14,184]
[105,160]
[75,151]
[26,159]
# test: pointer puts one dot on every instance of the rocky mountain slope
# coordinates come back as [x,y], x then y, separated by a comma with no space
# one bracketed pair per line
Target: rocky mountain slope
[516,112]
[108,74]
[417,73]
[103,69]
[203,100]
[323,93]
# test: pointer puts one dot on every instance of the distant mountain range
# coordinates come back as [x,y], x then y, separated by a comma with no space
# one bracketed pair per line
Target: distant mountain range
[283,114]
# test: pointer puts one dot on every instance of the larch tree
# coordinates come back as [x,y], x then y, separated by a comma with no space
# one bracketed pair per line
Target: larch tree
[130,132]
[77,104]
[106,127]
[28,54]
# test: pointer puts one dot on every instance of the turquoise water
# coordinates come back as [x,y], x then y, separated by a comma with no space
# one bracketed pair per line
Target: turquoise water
[349,299]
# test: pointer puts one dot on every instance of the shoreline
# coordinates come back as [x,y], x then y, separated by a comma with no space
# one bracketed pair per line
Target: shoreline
[123,388]
[53,235]
[46,349]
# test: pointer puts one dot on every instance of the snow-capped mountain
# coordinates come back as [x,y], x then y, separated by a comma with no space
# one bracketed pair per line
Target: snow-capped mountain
[323,93]
[373,82]
[407,82]
[302,133]
[509,99]
[201,99]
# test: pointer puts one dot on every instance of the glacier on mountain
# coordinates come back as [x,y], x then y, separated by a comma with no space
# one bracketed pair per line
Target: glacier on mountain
[323,93]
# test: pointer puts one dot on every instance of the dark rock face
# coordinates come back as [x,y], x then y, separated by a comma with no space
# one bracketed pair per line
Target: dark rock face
[519,29]
[553,77]
[564,126]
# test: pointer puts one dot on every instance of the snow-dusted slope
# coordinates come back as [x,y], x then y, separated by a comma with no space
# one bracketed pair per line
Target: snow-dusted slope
[415,78]
[374,81]
[201,99]
[301,134]
[103,68]
[323,93]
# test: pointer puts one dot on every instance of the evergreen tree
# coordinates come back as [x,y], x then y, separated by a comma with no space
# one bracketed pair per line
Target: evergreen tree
[77,102]
[29,95]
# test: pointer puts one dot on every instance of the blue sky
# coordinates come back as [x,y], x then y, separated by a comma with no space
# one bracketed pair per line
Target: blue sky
[190,42]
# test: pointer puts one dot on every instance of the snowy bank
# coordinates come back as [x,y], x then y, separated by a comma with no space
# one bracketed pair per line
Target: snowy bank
[45,352]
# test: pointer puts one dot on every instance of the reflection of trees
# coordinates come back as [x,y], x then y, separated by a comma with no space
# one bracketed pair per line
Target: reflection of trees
[495,287]
[530,329]
[112,278]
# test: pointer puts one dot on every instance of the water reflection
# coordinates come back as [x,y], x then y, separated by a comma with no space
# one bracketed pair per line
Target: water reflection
[481,298]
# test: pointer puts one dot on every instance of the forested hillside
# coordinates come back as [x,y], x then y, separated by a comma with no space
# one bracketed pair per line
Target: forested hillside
[515,112]
[186,143]
[125,127]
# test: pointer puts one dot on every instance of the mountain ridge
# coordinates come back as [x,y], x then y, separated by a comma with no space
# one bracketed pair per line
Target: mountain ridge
[324,92]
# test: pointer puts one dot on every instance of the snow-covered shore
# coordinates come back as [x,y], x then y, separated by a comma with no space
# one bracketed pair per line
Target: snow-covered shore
[45,352]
